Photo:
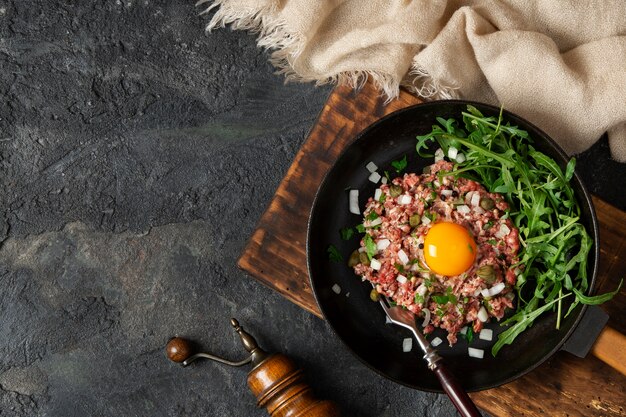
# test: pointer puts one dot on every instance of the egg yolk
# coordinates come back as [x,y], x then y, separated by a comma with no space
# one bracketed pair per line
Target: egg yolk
[449,249]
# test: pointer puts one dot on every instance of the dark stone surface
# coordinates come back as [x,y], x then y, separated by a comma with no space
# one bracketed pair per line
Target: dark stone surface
[137,155]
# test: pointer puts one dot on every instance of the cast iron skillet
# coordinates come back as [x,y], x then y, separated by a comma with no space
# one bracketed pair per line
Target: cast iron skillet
[359,322]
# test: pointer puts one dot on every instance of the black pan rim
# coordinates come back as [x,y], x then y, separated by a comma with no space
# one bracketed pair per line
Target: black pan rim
[585,197]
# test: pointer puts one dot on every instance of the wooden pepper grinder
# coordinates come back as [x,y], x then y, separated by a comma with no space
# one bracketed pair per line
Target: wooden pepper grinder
[274,379]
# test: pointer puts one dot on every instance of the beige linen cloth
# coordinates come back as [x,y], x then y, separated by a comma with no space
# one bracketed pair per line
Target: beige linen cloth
[560,64]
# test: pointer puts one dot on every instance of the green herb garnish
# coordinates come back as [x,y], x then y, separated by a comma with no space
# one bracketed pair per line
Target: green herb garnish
[400,165]
[372,216]
[333,254]
[346,233]
[370,246]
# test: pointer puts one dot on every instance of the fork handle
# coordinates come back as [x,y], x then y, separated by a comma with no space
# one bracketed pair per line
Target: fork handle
[455,391]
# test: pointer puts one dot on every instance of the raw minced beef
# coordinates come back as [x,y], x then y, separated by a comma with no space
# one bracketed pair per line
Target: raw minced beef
[398,222]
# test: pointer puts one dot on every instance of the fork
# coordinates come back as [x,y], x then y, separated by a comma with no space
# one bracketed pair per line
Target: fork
[449,383]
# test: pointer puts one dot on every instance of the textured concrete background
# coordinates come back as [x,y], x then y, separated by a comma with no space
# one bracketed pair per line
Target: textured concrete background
[136,156]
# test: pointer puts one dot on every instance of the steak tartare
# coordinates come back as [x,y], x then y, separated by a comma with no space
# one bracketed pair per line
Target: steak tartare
[394,258]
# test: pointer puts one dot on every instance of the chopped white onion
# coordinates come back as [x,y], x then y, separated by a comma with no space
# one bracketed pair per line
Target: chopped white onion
[436,342]
[375,264]
[336,289]
[384,180]
[403,257]
[376,222]
[475,353]
[439,155]
[482,314]
[486,334]
[452,152]
[383,244]
[436,183]
[475,199]
[460,158]
[463,330]
[374,177]
[347,294]
[496,289]
[503,231]
[463,209]
[477,292]
[353,197]
[425,220]
[421,290]
[377,194]
[485,293]
[426,321]
[362,249]
[447,193]
[404,199]
[371,166]
[401,279]
[479,210]
[407,344]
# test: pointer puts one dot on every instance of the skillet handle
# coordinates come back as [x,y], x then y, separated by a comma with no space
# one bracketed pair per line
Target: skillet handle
[455,391]
[610,347]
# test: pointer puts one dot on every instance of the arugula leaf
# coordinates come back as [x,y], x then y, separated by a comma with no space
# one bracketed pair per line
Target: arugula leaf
[598,299]
[400,165]
[569,169]
[333,254]
[523,319]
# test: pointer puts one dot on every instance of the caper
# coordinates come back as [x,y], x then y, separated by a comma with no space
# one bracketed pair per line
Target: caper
[487,203]
[354,259]
[487,273]
[415,220]
[374,295]
[365,260]
[426,170]
[395,190]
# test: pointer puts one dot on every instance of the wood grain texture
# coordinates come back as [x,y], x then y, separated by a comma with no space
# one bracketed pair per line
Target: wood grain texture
[279,387]
[275,255]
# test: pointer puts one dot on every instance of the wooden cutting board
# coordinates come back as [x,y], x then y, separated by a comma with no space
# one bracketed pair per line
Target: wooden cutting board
[276,256]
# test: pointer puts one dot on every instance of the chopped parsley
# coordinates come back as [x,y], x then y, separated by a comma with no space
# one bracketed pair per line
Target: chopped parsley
[346,233]
[382,198]
[360,228]
[400,165]
[441,299]
[370,246]
[372,216]
[333,254]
